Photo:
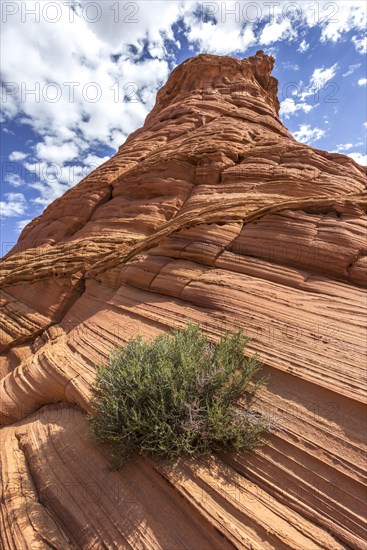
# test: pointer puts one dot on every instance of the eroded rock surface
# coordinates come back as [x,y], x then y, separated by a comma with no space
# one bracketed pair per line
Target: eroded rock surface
[212,212]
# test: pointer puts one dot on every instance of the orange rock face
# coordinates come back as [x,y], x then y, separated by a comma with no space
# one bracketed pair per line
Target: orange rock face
[212,212]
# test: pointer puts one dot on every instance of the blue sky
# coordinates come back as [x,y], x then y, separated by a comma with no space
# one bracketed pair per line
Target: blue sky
[78,77]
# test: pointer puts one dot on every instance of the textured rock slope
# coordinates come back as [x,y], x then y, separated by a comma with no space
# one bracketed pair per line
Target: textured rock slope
[211,212]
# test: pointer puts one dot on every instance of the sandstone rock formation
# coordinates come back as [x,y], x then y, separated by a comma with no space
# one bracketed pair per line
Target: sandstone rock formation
[211,212]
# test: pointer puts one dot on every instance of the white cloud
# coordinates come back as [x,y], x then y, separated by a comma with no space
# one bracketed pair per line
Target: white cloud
[289,107]
[272,32]
[13,179]
[359,157]
[218,39]
[140,22]
[73,73]
[291,66]
[54,150]
[306,134]
[344,147]
[365,124]
[234,26]
[352,69]
[319,78]
[360,44]
[17,155]
[362,82]
[14,205]
[303,47]
[338,18]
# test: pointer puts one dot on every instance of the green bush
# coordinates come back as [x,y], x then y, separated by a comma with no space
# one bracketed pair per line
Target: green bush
[176,395]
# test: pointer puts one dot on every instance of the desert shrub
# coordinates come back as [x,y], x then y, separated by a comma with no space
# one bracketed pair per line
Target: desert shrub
[177,395]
